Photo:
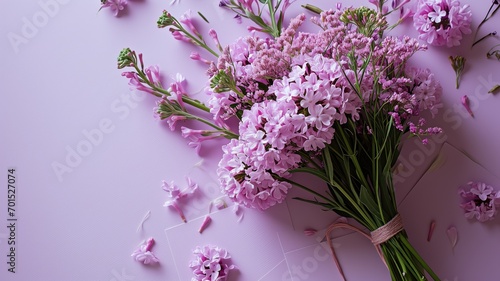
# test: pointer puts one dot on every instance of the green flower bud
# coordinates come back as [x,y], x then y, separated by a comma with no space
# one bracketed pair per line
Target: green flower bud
[165,20]
[125,58]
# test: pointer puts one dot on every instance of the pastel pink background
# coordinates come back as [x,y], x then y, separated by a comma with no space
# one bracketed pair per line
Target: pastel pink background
[62,84]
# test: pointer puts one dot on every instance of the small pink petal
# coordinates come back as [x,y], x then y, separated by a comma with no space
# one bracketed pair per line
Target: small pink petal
[466,104]
[237,210]
[310,231]
[452,236]
[431,230]
[143,253]
[220,203]
[341,220]
[205,223]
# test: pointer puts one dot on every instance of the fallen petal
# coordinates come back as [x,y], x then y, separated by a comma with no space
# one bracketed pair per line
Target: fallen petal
[431,230]
[141,224]
[310,231]
[466,104]
[452,236]
[205,223]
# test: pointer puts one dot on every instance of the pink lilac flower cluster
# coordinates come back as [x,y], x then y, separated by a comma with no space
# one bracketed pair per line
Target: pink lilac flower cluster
[210,263]
[252,62]
[479,201]
[442,22]
[296,111]
[114,5]
[307,103]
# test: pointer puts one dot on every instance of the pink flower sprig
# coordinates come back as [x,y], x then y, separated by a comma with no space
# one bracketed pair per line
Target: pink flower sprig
[173,101]
[175,195]
[184,30]
[114,5]
[210,263]
[143,253]
[442,22]
[479,201]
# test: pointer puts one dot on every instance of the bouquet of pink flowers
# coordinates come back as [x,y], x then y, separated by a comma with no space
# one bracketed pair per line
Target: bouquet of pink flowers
[334,104]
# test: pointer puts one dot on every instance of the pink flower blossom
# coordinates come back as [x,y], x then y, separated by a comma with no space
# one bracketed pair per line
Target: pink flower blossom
[135,82]
[114,5]
[442,22]
[143,253]
[187,20]
[210,263]
[204,224]
[175,194]
[196,137]
[153,75]
[479,201]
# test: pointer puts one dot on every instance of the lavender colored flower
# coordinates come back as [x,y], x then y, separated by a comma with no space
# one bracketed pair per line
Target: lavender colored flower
[143,253]
[175,194]
[479,201]
[442,22]
[210,263]
[114,5]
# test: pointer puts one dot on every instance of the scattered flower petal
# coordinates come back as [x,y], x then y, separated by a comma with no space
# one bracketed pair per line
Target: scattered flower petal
[310,231]
[145,218]
[341,220]
[452,236]
[466,104]
[143,253]
[220,204]
[175,194]
[205,223]
[431,230]
[238,211]
[210,263]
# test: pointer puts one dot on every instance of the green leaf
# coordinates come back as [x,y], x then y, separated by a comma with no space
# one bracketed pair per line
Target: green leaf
[258,20]
[328,164]
[312,171]
[367,199]
[316,202]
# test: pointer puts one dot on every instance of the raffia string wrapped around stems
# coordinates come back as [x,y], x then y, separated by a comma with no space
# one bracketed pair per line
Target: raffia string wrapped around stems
[377,237]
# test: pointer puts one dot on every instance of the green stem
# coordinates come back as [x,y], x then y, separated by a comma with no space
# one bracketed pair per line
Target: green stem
[274,28]
[227,133]
[330,201]
[197,40]
[185,98]
[426,267]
